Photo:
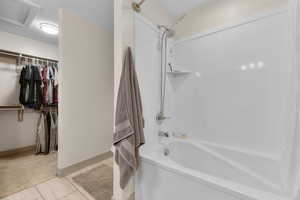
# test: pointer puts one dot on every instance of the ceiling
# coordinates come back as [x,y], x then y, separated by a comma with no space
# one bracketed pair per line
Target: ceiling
[99,12]
[179,8]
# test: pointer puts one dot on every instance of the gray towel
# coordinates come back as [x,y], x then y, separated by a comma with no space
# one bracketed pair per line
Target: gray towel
[129,123]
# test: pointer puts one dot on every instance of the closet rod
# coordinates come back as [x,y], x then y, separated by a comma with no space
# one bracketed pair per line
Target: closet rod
[18,108]
[18,55]
[11,108]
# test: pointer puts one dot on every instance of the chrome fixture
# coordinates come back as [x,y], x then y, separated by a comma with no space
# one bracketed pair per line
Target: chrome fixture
[160,117]
[166,152]
[166,33]
[170,32]
[171,67]
[163,134]
[137,6]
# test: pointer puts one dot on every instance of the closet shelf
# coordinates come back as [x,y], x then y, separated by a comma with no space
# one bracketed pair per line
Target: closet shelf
[179,73]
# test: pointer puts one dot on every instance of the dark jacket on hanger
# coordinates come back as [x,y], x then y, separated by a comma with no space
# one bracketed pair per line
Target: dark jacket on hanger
[35,94]
[31,87]
[23,85]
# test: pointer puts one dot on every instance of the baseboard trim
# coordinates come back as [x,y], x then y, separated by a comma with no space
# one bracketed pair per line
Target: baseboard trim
[74,168]
[13,152]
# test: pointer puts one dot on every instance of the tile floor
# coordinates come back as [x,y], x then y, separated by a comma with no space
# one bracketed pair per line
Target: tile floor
[25,170]
[57,188]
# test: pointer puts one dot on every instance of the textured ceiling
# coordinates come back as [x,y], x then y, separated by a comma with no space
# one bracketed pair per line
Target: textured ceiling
[99,12]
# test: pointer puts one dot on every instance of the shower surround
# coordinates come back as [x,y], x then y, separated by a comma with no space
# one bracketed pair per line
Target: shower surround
[233,113]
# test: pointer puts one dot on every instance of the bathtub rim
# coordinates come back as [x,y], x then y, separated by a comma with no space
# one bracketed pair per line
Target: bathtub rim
[156,159]
[233,163]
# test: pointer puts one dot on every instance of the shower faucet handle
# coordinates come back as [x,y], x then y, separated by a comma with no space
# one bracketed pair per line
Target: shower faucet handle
[161,117]
[164,118]
[164,134]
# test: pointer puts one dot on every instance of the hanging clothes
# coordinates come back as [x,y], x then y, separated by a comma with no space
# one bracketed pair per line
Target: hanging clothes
[23,86]
[38,86]
[50,82]
[55,84]
[35,93]
[41,135]
[31,87]
[46,134]
[53,132]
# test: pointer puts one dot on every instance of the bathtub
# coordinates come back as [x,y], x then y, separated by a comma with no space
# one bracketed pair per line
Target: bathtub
[192,170]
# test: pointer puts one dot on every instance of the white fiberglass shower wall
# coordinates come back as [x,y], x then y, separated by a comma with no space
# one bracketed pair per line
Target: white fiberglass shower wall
[237,98]
[235,101]
[237,92]
[147,59]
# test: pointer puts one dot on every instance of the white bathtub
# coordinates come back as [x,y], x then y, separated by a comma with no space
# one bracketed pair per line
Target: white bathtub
[194,171]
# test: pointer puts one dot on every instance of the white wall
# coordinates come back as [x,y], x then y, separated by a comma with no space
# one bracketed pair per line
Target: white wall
[86,91]
[214,13]
[14,134]
[125,36]
[238,93]
[295,173]
[271,142]
[226,104]
[148,70]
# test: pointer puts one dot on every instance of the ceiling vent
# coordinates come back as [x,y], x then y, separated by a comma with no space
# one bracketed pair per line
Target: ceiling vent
[18,12]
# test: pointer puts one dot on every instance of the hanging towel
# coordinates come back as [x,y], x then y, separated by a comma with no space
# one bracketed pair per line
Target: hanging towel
[129,122]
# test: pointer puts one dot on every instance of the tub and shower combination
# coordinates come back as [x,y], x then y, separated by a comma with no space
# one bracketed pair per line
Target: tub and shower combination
[220,112]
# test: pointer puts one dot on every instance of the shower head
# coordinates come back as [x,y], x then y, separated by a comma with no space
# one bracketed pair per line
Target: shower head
[137,6]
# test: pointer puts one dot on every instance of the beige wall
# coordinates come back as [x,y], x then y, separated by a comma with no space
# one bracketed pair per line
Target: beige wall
[86,91]
[216,13]
[14,134]
[124,37]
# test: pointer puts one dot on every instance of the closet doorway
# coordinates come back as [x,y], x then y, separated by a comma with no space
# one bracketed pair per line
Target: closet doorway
[28,121]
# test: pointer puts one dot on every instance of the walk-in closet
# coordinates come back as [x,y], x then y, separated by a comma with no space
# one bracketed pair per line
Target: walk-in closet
[29,120]
[56,99]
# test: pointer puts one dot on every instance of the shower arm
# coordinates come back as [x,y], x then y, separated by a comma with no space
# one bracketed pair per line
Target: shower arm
[142,1]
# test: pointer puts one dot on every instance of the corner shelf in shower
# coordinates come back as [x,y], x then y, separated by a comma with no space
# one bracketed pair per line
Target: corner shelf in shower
[179,73]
